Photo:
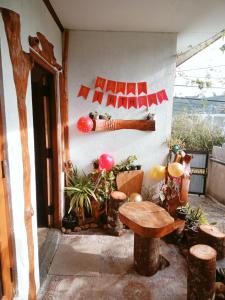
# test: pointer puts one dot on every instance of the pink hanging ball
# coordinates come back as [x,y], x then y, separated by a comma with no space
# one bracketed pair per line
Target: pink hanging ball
[106,161]
[85,124]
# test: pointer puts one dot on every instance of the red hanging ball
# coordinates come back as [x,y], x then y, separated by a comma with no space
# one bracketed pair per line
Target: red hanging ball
[85,124]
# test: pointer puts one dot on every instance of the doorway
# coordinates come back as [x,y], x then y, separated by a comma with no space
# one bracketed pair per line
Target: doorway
[45,144]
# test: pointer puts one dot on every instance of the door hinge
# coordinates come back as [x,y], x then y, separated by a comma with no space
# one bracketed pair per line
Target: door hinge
[3,165]
[49,152]
[51,210]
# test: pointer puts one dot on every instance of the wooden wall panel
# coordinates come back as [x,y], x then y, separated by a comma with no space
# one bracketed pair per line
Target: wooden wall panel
[21,64]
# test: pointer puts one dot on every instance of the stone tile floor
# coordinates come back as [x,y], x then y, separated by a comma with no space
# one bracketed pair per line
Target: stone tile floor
[100,267]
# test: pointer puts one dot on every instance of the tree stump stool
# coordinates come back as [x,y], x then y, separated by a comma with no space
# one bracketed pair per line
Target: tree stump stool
[116,200]
[149,222]
[212,236]
[201,275]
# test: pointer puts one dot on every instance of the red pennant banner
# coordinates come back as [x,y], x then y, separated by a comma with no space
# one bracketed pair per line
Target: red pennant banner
[111,100]
[152,99]
[131,88]
[98,96]
[100,83]
[111,86]
[122,102]
[161,95]
[142,101]
[121,87]
[83,92]
[142,87]
[132,102]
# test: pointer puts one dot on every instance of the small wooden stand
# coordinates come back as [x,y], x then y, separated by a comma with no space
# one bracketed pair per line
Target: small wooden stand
[116,200]
[149,222]
[212,236]
[201,275]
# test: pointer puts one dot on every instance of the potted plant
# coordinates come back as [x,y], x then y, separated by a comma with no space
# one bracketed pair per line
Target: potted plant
[69,221]
[81,192]
[182,212]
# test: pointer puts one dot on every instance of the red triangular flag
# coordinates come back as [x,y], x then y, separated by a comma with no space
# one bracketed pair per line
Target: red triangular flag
[152,99]
[100,83]
[131,88]
[120,87]
[111,100]
[142,101]
[132,102]
[161,95]
[83,92]
[98,96]
[142,87]
[111,86]
[122,102]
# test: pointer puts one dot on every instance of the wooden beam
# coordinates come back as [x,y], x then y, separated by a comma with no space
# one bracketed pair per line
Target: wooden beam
[21,65]
[110,125]
[182,57]
[53,14]
[63,80]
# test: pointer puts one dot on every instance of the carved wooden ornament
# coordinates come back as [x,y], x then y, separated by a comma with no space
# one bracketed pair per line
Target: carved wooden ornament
[41,45]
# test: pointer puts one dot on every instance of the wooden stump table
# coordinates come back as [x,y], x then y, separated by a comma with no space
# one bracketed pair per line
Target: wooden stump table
[149,223]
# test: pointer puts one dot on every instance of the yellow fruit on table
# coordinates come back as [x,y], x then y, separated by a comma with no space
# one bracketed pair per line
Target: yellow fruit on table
[157,172]
[135,197]
[176,169]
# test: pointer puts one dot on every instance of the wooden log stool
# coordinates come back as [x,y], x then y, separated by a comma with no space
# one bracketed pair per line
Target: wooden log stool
[149,222]
[116,200]
[201,275]
[212,236]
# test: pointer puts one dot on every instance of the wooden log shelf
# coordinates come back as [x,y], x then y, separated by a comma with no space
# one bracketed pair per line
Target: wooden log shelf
[111,125]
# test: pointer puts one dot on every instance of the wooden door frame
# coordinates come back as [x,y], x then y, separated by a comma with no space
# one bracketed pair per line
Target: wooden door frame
[56,174]
[6,190]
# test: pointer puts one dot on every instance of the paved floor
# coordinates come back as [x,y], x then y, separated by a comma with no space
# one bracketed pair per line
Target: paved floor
[100,267]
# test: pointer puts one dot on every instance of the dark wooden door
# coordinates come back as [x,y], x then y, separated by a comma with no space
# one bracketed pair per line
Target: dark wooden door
[6,282]
[42,95]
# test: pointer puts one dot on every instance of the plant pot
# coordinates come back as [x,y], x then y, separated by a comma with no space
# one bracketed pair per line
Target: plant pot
[101,117]
[138,167]
[69,223]
[181,214]
[132,168]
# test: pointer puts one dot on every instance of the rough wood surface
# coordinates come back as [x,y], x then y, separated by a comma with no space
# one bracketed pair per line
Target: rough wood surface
[148,219]
[110,125]
[212,236]
[130,182]
[41,45]
[116,200]
[146,255]
[201,275]
[63,81]
[21,64]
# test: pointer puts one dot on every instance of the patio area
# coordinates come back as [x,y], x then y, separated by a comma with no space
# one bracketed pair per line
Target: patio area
[94,265]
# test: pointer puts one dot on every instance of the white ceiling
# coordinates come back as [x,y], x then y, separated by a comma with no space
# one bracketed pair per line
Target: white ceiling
[193,20]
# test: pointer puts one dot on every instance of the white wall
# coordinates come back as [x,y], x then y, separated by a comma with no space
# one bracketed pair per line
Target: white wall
[129,57]
[34,17]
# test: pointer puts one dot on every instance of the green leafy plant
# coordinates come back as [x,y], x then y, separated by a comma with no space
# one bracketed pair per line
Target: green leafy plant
[80,190]
[194,132]
[124,165]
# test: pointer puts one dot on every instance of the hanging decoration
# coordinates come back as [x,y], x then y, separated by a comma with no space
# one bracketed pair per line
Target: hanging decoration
[117,92]
[83,92]
[85,124]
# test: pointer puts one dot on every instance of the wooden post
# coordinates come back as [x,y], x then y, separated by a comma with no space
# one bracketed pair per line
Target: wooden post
[212,236]
[116,200]
[146,255]
[201,275]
